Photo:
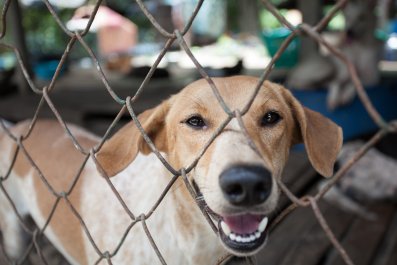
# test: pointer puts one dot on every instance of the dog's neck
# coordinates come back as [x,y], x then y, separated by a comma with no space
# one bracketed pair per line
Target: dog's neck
[191,227]
[188,228]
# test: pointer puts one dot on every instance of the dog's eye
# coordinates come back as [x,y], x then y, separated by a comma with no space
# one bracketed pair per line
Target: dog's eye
[196,122]
[270,118]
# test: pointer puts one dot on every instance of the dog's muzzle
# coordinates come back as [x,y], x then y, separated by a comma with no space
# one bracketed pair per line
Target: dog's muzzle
[245,187]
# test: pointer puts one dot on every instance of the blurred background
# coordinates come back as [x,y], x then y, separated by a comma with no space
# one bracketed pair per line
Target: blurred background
[227,38]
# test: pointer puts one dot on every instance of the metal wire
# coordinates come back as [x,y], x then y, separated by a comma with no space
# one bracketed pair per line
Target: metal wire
[126,105]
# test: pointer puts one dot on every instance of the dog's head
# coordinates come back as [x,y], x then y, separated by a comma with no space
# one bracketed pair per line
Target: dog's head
[236,179]
[360,18]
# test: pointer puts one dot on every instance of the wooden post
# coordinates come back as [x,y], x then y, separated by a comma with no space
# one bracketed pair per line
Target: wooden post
[311,14]
[18,34]
[249,16]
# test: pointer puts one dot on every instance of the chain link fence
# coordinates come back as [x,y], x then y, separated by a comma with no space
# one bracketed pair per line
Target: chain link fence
[126,105]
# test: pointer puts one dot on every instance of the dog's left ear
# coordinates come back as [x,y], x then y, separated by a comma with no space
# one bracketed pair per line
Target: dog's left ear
[121,149]
[322,138]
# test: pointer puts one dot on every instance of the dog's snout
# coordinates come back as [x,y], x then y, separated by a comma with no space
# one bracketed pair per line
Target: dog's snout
[246,185]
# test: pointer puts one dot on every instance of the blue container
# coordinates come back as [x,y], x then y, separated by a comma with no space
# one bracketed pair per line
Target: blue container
[46,69]
[273,40]
[353,118]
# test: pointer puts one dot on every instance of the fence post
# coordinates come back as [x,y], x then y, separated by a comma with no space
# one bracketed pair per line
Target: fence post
[18,35]
[248,17]
[311,14]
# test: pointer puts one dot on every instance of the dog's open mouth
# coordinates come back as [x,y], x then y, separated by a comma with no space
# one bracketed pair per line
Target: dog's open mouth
[243,234]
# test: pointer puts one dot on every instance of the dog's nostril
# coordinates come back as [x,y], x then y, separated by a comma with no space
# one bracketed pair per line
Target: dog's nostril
[261,192]
[234,190]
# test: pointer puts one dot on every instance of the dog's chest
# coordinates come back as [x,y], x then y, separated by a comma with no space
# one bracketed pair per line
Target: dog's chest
[140,187]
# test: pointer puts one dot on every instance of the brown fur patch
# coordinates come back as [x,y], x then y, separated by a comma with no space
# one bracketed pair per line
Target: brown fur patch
[59,161]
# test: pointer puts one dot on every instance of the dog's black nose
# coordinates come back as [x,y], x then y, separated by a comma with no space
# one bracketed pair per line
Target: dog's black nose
[350,33]
[246,185]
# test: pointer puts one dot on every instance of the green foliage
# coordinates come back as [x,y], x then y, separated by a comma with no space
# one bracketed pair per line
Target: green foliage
[268,21]
[337,22]
[43,34]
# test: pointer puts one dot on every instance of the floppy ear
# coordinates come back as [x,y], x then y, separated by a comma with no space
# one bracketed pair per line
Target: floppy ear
[322,138]
[121,149]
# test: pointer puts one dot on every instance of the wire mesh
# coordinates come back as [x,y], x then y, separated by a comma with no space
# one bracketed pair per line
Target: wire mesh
[126,105]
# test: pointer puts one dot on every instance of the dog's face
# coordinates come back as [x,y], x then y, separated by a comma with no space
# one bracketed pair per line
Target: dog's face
[236,180]
[237,175]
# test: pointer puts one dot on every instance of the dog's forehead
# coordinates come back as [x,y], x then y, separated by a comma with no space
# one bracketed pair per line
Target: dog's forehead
[235,91]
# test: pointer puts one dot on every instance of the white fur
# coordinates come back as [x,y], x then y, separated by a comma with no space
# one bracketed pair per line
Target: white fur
[115,220]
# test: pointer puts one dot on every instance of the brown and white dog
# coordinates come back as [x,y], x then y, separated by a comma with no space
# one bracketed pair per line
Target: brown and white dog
[237,183]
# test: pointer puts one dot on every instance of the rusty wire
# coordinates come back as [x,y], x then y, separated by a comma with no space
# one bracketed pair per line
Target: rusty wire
[126,105]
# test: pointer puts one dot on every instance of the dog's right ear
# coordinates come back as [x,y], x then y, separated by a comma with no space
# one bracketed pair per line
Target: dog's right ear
[121,149]
[322,138]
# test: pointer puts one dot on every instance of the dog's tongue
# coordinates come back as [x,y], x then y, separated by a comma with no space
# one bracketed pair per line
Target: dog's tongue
[243,224]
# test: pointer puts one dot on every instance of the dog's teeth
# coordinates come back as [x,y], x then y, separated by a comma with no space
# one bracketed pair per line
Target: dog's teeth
[225,228]
[257,234]
[263,224]
[244,238]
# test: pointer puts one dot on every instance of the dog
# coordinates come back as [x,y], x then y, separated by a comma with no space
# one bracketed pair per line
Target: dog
[236,182]
[357,43]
